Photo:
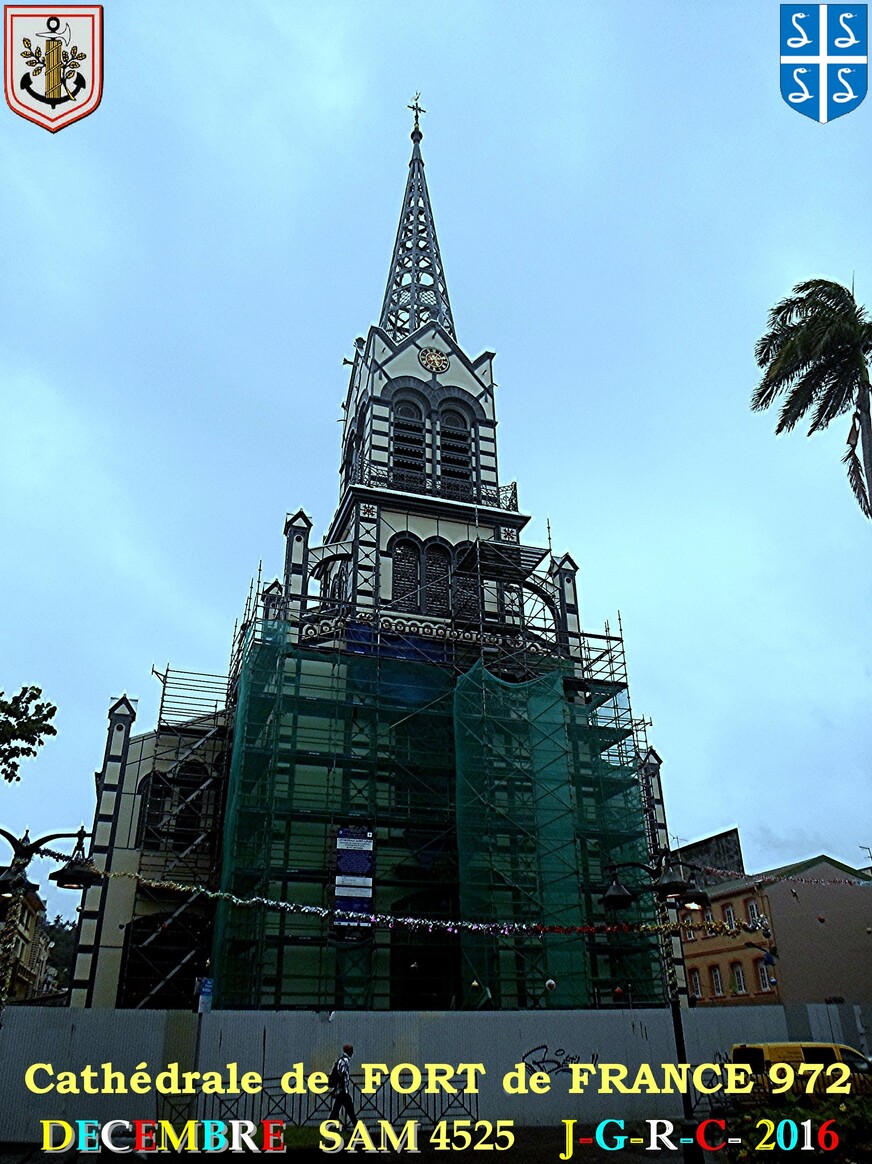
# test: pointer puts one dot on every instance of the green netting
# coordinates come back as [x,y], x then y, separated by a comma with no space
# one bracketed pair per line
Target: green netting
[517,826]
[325,741]
[540,805]
[516,836]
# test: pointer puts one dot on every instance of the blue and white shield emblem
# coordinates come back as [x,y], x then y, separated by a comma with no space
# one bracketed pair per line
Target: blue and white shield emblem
[824,58]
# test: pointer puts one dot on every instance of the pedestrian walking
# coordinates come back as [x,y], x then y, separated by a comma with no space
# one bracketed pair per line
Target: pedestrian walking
[340,1084]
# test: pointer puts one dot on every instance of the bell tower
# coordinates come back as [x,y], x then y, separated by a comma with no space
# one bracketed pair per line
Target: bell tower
[421,508]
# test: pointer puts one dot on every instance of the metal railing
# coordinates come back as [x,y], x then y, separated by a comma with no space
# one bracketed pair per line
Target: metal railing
[308,1110]
[454,489]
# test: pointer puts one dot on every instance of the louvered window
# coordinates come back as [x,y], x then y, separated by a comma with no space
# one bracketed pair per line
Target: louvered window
[466,584]
[406,589]
[455,446]
[409,452]
[437,594]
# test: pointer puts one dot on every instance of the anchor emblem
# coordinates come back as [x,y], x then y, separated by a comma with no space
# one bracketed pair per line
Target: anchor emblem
[53,62]
[59,65]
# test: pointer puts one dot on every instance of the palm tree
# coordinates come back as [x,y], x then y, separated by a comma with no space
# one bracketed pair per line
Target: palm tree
[815,354]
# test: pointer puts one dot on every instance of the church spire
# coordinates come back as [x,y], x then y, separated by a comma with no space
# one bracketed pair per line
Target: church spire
[416,290]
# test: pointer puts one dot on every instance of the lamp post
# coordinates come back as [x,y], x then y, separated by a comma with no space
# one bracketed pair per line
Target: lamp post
[669,886]
[77,873]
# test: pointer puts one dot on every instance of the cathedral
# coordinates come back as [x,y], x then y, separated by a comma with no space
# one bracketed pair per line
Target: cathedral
[409,789]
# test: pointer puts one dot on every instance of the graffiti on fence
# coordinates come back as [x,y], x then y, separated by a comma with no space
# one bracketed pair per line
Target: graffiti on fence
[539,1059]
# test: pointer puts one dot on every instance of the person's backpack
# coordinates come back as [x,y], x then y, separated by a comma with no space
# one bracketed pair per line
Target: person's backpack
[335,1076]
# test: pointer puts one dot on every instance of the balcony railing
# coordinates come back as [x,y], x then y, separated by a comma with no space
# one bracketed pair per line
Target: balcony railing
[386,477]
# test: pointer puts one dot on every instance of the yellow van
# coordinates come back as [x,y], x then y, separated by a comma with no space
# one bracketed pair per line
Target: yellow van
[760,1056]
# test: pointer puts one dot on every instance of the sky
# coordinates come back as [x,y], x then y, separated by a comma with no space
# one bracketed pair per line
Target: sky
[621,194]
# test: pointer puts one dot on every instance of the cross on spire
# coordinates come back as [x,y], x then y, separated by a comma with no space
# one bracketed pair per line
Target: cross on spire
[416,292]
[417,109]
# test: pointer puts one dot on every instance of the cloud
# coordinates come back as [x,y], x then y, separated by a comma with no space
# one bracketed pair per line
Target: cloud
[61,490]
[789,845]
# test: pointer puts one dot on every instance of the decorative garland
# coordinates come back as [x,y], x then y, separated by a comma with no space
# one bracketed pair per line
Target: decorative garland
[9,933]
[731,874]
[390,921]
[766,879]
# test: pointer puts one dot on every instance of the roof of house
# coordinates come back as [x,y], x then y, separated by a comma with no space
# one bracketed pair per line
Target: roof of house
[795,869]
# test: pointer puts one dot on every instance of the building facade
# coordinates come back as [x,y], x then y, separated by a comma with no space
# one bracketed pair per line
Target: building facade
[816,946]
[30,946]
[415,726]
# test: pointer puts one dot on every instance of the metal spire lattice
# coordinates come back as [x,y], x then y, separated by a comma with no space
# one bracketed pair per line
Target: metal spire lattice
[416,292]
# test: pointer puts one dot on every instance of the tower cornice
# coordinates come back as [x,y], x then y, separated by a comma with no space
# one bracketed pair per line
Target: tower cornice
[471,513]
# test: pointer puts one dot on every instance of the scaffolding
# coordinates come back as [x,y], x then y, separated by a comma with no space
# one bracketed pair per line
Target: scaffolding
[480,767]
[328,741]
[495,775]
[541,807]
[178,772]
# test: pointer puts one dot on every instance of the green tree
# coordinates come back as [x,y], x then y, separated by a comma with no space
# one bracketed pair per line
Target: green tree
[815,355]
[25,723]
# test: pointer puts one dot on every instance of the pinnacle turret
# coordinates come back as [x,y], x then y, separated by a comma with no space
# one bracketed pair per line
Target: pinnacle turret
[416,292]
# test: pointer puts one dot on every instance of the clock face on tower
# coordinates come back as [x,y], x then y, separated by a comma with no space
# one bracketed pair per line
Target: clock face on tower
[433,360]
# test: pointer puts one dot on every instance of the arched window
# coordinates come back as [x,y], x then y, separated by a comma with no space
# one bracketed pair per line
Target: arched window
[455,446]
[353,451]
[187,815]
[163,957]
[409,454]
[406,588]
[338,588]
[437,580]
[451,418]
[467,585]
[156,795]
[174,813]
[349,460]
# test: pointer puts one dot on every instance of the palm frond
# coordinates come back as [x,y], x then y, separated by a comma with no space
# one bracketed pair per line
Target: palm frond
[797,403]
[785,357]
[786,312]
[838,394]
[782,311]
[824,293]
[857,480]
[796,370]
[770,344]
[813,354]
[856,476]
[811,298]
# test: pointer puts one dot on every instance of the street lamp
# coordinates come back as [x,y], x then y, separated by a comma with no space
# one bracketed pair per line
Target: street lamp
[695,897]
[77,873]
[669,886]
